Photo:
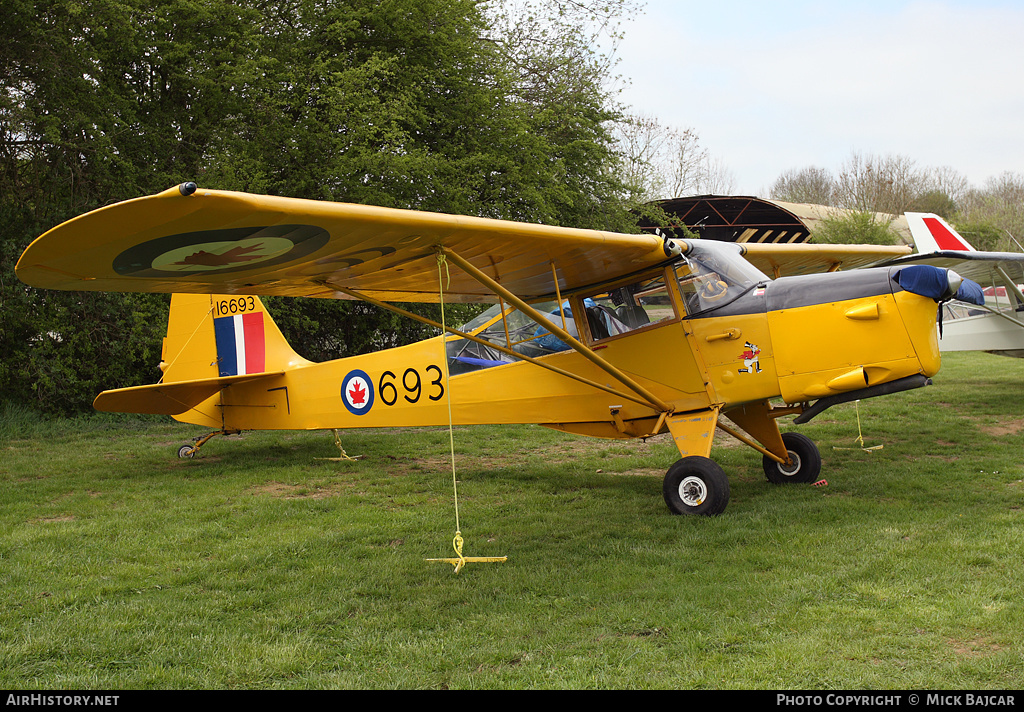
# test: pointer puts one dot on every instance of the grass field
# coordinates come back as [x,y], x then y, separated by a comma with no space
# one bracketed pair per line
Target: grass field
[260,564]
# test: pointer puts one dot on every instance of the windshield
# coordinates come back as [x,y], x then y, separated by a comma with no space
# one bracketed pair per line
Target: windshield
[713,274]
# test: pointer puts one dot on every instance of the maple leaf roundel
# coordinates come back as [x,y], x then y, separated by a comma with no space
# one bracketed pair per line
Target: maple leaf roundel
[357,392]
[218,251]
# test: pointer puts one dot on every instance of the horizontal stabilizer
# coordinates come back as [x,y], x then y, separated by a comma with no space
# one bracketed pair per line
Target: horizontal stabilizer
[169,398]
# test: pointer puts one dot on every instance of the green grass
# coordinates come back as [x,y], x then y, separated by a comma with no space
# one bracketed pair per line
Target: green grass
[261,565]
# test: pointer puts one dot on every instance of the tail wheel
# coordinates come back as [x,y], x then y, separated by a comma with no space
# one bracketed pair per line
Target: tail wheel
[696,485]
[804,461]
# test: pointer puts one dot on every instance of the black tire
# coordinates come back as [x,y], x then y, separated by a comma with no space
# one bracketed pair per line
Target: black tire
[806,461]
[188,451]
[696,485]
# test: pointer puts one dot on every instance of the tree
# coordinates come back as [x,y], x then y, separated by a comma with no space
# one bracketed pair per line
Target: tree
[999,205]
[662,161]
[659,161]
[985,236]
[855,228]
[100,102]
[884,184]
[933,201]
[717,178]
[405,103]
[808,185]
[947,188]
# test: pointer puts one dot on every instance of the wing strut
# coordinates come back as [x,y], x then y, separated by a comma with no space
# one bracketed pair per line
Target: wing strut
[1011,285]
[562,334]
[643,396]
[1012,290]
[497,347]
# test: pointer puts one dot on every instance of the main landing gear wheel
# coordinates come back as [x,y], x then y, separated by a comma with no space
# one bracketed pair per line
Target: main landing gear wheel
[187,451]
[696,485]
[805,461]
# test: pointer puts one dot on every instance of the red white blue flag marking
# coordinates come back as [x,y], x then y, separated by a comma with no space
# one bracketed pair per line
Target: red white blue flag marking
[241,347]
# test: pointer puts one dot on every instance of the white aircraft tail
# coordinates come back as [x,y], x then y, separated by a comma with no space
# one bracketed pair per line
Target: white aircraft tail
[933,234]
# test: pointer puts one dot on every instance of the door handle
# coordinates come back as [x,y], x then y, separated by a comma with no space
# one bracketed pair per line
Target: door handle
[729,334]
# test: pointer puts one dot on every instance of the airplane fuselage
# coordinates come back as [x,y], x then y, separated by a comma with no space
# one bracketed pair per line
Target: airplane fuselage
[797,338]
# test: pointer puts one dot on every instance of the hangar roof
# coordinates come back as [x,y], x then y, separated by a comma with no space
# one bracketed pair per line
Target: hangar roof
[732,218]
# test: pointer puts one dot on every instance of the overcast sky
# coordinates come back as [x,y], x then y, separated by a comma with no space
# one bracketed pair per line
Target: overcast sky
[773,86]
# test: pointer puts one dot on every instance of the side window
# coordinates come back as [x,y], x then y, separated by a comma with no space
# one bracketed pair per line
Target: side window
[629,307]
[695,282]
[509,328]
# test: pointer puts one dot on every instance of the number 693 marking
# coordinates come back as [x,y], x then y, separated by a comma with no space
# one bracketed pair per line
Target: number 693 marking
[412,384]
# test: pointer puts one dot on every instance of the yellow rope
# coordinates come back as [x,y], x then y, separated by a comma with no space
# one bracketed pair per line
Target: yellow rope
[860,434]
[344,455]
[459,561]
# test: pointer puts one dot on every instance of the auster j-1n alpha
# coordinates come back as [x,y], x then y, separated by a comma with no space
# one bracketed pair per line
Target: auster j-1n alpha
[594,333]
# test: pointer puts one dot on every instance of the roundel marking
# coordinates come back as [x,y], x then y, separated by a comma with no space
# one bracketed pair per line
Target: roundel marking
[211,252]
[357,392]
[216,256]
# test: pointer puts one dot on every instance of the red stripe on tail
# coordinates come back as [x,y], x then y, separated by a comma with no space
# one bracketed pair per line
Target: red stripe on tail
[255,343]
[943,237]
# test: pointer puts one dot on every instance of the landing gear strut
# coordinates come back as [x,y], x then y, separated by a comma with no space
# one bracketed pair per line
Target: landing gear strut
[189,451]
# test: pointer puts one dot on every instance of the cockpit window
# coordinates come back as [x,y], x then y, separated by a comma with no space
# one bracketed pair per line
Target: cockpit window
[622,309]
[713,274]
[629,307]
[516,331]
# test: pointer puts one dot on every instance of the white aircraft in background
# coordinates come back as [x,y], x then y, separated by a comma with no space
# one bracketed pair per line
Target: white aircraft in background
[997,326]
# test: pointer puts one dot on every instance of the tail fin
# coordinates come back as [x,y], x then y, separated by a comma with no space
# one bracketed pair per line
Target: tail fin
[933,234]
[216,335]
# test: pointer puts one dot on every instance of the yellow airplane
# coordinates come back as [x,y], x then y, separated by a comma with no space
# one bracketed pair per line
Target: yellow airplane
[594,333]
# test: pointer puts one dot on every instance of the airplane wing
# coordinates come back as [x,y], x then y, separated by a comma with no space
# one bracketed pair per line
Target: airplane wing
[189,240]
[1001,270]
[789,259]
[199,241]
[940,245]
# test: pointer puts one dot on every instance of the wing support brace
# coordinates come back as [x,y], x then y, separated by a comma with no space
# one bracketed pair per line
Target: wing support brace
[651,399]
[1011,289]
[998,312]
[1010,284]
[643,396]
[497,347]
